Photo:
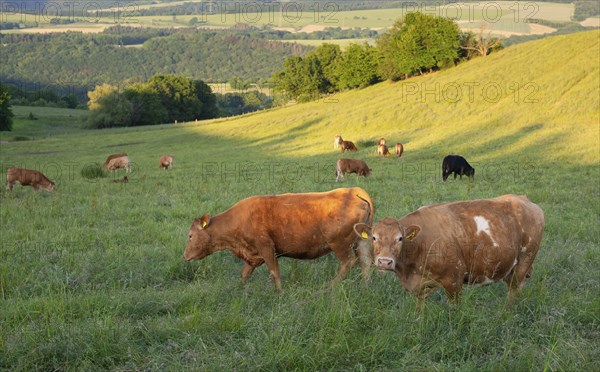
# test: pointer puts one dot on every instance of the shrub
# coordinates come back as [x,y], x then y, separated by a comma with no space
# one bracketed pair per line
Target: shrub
[92,171]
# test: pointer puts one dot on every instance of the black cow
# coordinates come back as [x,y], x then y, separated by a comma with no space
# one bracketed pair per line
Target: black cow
[458,165]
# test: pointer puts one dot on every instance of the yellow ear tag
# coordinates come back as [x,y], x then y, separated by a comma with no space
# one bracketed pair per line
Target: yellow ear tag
[204,223]
[364,235]
[411,236]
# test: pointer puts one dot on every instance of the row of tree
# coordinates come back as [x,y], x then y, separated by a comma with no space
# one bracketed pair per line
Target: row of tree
[416,44]
[162,99]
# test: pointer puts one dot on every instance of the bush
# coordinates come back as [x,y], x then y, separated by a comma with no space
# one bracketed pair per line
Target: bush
[21,138]
[92,171]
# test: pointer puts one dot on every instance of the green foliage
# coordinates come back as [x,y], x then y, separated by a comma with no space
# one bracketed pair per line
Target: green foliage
[357,67]
[307,78]
[93,171]
[230,104]
[109,107]
[164,98]
[585,9]
[6,114]
[416,43]
[86,60]
[92,276]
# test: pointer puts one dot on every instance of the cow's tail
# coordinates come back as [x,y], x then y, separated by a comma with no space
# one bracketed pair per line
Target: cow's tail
[363,246]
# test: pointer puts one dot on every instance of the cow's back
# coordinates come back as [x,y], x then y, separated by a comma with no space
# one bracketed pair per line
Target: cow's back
[304,225]
[483,237]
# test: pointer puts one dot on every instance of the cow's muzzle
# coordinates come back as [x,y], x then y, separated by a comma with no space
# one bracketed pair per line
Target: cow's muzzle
[385,263]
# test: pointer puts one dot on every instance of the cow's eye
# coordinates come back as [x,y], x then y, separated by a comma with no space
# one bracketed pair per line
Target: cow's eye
[374,239]
[400,239]
[190,237]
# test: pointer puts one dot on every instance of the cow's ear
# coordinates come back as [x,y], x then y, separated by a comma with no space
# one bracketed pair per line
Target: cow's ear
[362,230]
[412,231]
[205,220]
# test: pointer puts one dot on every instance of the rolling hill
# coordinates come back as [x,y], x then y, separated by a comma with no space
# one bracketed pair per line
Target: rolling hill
[92,276]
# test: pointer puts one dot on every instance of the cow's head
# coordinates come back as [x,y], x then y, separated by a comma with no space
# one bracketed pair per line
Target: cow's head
[387,238]
[198,246]
[471,172]
[367,172]
[51,186]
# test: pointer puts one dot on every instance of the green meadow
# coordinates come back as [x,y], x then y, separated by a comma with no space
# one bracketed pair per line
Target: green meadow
[92,275]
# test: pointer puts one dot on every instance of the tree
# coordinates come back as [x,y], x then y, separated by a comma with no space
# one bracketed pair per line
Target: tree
[417,43]
[480,44]
[6,114]
[305,79]
[108,107]
[357,67]
[146,105]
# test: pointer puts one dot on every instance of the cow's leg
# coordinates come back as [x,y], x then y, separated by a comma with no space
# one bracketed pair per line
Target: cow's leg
[346,257]
[273,265]
[35,186]
[522,270]
[246,271]
[9,185]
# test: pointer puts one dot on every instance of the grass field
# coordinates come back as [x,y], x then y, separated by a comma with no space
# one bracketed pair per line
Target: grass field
[502,16]
[40,122]
[92,276]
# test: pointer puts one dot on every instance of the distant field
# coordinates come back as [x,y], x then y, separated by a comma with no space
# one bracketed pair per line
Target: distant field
[504,17]
[49,121]
[92,276]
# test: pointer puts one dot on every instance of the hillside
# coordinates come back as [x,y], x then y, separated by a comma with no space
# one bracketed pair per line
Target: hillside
[525,96]
[92,276]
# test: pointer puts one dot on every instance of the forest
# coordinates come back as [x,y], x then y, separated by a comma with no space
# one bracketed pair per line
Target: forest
[84,60]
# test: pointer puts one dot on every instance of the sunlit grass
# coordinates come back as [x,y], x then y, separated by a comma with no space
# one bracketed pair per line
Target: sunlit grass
[92,275]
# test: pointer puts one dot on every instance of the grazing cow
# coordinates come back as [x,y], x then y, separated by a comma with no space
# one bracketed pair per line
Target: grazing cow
[382,141]
[27,177]
[382,150]
[467,242]
[116,161]
[336,141]
[399,149]
[458,165]
[351,166]
[166,162]
[305,226]
[347,145]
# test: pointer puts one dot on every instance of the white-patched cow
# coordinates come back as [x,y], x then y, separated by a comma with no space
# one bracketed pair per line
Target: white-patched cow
[469,242]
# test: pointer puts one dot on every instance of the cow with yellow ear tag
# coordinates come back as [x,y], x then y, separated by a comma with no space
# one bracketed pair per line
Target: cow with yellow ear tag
[260,229]
[447,245]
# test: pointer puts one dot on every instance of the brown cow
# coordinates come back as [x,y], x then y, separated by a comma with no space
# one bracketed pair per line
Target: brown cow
[166,162]
[116,161]
[347,145]
[446,245]
[344,166]
[27,177]
[382,141]
[382,150]
[398,149]
[305,226]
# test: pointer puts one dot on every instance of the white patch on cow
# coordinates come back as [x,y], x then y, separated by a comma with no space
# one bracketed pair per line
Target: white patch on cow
[483,225]
[523,249]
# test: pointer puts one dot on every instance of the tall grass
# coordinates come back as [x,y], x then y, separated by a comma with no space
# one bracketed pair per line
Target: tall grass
[92,276]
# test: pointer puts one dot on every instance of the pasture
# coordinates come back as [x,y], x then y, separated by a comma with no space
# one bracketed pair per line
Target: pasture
[92,276]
